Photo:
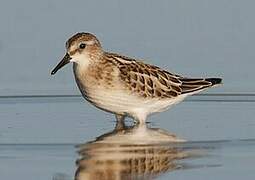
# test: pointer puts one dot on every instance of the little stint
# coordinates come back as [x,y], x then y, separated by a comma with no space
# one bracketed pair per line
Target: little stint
[125,86]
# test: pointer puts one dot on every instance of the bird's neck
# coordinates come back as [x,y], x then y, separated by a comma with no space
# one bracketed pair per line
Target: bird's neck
[85,62]
[87,68]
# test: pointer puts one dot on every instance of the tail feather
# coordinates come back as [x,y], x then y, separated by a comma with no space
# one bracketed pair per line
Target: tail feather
[190,85]
[214,81]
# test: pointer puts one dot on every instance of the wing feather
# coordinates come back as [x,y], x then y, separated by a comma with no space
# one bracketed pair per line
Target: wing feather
[150,81]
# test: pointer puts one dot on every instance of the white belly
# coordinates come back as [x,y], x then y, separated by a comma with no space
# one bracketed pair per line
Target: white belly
[121,102]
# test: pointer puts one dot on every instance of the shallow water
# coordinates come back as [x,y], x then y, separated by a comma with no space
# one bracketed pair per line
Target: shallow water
[52,138]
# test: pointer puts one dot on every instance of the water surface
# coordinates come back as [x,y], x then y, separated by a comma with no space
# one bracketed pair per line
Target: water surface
[54,138]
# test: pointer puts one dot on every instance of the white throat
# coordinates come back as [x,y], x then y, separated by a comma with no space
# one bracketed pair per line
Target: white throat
[82,60]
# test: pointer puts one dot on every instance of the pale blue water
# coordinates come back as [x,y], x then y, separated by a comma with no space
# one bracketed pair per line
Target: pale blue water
[220,160]
[72,119]
[39,138]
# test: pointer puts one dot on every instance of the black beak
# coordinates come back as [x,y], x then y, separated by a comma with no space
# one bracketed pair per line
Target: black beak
[66,59]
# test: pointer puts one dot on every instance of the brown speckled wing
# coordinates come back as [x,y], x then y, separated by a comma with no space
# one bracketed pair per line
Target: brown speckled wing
[147,80]
[151,81]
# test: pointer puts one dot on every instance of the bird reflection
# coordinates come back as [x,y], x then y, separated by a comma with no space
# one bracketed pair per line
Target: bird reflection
[130,152]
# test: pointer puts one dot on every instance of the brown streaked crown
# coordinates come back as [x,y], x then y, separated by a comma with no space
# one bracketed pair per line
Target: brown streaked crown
[82,36]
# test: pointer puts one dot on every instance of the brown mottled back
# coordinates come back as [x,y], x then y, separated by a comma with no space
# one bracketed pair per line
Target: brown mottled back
[151,81]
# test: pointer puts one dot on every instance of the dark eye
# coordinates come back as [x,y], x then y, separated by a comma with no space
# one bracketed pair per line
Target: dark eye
[82,46]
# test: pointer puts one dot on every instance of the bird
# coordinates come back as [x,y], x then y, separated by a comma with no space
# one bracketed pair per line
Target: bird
[125,86]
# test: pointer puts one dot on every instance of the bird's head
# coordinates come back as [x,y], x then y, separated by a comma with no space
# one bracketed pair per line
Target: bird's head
[81,49]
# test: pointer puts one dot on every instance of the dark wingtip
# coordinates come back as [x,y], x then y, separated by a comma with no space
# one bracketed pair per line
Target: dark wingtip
[214,81]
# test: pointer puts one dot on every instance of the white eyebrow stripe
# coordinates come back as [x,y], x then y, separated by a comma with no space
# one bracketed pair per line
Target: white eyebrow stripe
[89,42]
